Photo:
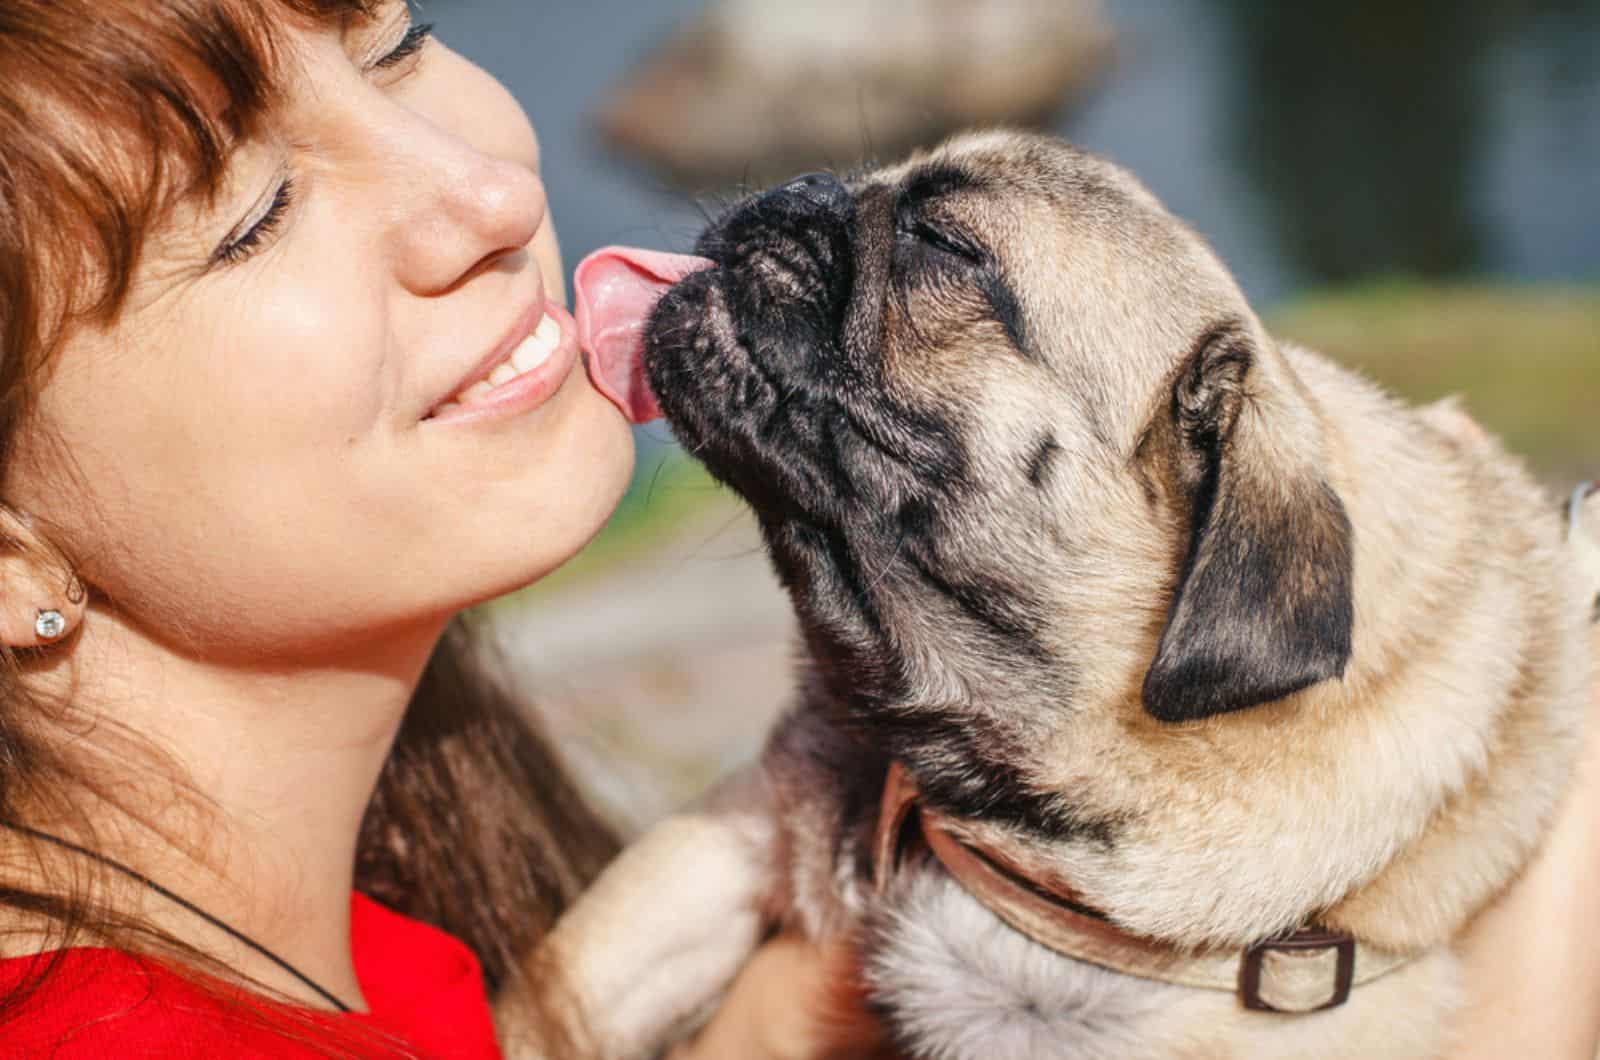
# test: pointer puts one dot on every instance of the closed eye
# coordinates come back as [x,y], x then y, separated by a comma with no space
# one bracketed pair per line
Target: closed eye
[942,239]
[934,249]
[414,41]
[252,235]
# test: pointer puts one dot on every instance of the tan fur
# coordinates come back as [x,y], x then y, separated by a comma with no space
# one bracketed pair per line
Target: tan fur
[1391,801]
[640,957]
[1451,734]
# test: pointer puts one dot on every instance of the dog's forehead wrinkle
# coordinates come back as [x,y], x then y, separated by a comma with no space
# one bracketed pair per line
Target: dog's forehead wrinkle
[864,325]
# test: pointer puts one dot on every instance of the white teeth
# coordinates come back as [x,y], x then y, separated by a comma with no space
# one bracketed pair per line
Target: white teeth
[548,331]
[537,348]
[530,353]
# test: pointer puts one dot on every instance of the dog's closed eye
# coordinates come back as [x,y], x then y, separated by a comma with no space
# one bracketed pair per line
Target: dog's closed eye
[942,239]
[937,248]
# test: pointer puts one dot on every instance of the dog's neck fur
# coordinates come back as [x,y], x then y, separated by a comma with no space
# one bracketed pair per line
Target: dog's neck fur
[1307,971]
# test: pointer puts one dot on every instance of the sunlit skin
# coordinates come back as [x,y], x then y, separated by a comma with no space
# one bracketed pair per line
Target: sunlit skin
[273,527]
[275,532]
[258,478]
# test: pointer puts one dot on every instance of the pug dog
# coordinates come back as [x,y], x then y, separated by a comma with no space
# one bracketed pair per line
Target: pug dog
[1168,690]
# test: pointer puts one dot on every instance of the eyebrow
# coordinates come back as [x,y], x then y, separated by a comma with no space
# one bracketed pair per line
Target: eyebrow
[399,17]
[934,182]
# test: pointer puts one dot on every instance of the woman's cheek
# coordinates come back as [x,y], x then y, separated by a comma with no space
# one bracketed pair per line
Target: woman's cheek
[547,254]
[321,349]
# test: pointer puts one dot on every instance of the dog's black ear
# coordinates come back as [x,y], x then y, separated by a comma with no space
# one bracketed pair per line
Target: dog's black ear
[1264,604]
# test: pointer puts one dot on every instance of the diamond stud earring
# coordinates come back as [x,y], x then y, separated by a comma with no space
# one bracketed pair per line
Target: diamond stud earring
[50,625]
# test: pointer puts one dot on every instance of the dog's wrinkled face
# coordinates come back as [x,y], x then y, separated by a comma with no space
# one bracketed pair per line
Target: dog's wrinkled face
[1072,538]
[1018,446]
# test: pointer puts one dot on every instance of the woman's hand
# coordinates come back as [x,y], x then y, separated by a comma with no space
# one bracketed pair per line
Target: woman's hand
[795,1000]
[1533,961]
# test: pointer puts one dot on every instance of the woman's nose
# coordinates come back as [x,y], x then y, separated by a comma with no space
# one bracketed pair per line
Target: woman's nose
[464,209]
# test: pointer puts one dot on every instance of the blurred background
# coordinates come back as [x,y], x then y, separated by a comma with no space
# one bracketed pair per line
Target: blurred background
[1412,187]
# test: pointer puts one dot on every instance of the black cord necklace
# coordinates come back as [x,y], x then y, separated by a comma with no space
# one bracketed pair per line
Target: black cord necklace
[217,922]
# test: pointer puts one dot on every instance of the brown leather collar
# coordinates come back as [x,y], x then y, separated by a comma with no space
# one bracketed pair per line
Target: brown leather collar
[1306,971]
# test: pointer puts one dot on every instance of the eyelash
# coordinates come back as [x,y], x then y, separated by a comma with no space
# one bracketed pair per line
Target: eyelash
[243,246]
[239,249]
[414,41]
[930,235]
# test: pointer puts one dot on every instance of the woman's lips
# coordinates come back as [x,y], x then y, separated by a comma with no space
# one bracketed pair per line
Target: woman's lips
[524,376]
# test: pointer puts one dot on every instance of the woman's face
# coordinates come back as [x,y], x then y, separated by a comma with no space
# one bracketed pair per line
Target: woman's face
[287,443]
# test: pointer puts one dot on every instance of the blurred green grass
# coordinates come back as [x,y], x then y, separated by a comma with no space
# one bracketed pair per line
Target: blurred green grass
[1526,361]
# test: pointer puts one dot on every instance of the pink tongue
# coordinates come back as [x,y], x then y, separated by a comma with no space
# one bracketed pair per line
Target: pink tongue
[617,287]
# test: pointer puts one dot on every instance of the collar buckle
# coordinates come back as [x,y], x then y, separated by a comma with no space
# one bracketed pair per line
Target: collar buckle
[1282,974]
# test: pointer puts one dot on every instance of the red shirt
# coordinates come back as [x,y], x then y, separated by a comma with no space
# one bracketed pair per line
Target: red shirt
[422,986]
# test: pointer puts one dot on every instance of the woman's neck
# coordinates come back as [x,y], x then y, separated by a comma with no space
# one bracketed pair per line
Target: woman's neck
[255,812]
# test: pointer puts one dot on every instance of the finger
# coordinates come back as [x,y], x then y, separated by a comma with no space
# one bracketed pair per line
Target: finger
[795,1000]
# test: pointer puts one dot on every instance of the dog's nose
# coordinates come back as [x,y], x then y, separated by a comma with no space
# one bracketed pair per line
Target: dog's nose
[821,189]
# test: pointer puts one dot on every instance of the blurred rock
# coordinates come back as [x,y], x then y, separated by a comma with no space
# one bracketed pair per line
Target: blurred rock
[756,89]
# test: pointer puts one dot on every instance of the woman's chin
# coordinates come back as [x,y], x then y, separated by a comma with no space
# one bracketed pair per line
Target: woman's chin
[578,507]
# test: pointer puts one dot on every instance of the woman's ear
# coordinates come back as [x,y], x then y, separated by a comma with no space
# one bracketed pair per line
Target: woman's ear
[41,600]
